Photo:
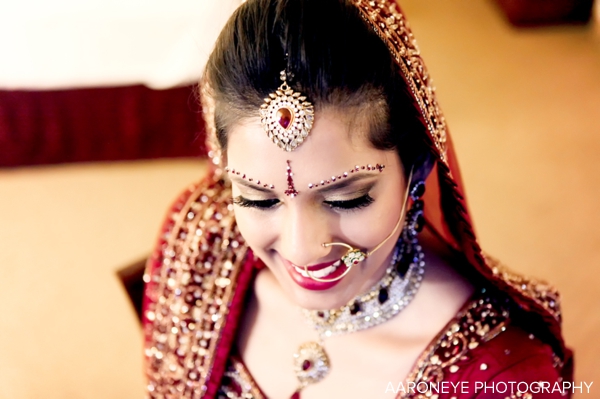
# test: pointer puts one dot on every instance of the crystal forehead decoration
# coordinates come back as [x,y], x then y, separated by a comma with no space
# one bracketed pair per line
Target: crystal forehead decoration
[286,116]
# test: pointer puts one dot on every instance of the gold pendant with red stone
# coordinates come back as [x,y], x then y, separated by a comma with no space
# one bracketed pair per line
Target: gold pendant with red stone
[311,365]
[286,116]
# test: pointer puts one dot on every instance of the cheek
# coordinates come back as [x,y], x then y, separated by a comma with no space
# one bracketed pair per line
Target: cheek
[255,228]
[370,226]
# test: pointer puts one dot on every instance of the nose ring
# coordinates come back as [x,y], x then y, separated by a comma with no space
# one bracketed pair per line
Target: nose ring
[354,255]
[346,259]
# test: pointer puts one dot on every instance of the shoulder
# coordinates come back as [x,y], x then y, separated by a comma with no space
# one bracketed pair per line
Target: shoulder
[512,364]
[483,353]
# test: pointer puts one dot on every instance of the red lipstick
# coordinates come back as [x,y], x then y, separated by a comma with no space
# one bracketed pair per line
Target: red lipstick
[310,284]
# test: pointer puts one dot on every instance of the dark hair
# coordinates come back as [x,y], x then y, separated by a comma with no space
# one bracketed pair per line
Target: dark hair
[335,59]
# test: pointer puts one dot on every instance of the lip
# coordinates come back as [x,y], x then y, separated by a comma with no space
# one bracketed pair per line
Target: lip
[318,266]
[310,284]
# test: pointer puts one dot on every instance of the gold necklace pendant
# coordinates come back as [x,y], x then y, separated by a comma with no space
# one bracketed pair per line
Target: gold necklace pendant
[311,365]
[385,300]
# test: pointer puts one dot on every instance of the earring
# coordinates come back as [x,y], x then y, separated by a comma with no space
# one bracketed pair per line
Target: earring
[414,223]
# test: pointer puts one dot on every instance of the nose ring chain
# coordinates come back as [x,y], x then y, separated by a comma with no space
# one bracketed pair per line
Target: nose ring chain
[354,255]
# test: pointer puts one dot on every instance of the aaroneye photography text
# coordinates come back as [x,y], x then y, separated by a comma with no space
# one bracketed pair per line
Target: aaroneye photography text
[507,387]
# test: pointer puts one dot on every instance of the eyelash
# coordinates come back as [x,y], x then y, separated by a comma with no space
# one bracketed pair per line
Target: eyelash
[346,205]
[353,204]
[259,204]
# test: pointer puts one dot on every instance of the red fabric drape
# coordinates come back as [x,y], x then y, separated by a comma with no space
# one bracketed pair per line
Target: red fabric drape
[99,124]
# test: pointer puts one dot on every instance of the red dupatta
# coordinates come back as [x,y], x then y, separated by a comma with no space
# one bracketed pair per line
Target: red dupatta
[201,269]
[446,208]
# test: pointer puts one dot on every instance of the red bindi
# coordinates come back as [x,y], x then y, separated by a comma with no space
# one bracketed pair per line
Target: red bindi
[291,190]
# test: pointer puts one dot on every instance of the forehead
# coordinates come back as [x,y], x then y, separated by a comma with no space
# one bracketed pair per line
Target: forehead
[333,143]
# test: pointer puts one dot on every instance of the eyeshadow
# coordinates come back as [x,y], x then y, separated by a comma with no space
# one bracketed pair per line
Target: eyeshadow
[248,178]
[357,168]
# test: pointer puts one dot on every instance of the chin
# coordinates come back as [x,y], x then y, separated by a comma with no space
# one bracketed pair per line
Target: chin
[322,300]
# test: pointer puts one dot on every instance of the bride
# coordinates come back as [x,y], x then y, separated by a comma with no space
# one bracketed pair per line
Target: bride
[329,253]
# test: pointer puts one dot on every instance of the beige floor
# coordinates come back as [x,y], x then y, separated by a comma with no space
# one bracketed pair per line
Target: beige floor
[523,107]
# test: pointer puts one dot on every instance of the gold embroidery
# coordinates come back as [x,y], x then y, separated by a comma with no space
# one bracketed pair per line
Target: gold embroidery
[541,292]
[238,383]
[391,26]
[191,292]
[483,320]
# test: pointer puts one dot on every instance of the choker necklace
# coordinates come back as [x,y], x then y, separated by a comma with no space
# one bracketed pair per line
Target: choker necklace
[382,302]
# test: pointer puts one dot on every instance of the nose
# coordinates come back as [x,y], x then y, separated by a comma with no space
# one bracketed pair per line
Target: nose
[303,233]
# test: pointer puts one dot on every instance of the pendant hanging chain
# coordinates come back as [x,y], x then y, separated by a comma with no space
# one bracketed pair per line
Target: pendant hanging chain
[385,300]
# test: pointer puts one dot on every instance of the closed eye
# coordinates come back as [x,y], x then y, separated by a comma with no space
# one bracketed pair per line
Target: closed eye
[352,204]
[258,204]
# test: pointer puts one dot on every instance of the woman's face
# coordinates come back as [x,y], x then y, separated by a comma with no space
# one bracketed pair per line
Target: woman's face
[285,222]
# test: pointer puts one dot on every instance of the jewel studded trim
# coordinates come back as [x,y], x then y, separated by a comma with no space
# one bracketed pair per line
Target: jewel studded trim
[482,320]
[238,383]
[344,175]
[544,294]
[390,25]
[190,292]
[248,178]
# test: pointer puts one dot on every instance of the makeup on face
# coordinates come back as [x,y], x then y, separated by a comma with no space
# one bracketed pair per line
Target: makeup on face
[345,174]
[245,177]
[331,189]
[355,203]
[329,269]
[340,194]
[291,189]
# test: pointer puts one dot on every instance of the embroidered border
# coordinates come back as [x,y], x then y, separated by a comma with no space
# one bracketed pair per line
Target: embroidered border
[391,26]
[541,292]
[483,320]
[191,292]
[238,383]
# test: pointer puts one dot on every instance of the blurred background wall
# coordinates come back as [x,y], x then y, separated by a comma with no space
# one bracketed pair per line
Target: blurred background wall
[522,105]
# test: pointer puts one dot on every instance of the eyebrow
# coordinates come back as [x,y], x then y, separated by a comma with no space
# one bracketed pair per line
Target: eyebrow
[252,185]
[344,175]
[246,180]
[357,173]
[340,184]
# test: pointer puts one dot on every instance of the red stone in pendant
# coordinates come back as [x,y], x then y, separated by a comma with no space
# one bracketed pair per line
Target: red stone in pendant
[284,117]
[296,395]
[306,365]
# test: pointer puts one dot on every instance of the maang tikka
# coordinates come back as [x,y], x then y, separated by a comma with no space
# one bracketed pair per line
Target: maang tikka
[286,116]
